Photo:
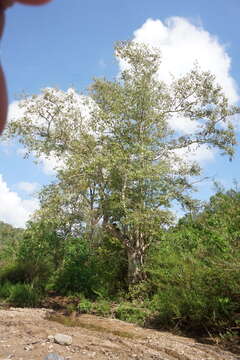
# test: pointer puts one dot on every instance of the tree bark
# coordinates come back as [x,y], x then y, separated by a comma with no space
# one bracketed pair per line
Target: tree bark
[135,252]
[136,273]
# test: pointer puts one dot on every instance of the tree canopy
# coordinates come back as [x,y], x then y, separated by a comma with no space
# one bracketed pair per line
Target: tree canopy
[122,166]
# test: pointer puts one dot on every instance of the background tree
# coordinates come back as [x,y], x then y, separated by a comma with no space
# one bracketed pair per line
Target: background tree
[122,167]
[10,239]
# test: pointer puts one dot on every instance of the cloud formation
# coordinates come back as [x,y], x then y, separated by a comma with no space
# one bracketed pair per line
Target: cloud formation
[14,210]
[182,44]
[50,164]
[28,187]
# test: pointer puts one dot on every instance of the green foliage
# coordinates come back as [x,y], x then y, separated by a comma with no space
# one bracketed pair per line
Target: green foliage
[54,261]
[194,271]
[5,290]
[77,274]
[95,272]
[132,312]
[43,243]
[58,261]
[25,272]
[85,306]
[20,295]
[195,296]
[24,295]
[100,307]
[10,239]
[127,311]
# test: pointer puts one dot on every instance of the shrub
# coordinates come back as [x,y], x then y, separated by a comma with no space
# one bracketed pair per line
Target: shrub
[77,274]
[85,306]
[5,290]
[24,295]
[101,308]
[132,313]
[25,272]
[20,295]
[194,295]
[94,271]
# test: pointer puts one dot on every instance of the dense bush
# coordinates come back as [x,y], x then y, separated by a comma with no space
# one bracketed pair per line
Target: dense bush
[195,296]
[94,271]
[20,295]
[193,271]
[24,272]
[53,261]
[77,272]
[10,239]
[24,295]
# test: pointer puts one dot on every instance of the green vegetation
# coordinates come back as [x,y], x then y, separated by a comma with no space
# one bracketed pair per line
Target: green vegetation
[105,232]
[9,240]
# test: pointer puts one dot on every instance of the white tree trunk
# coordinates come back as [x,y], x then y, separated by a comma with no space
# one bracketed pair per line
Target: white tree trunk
[135,266]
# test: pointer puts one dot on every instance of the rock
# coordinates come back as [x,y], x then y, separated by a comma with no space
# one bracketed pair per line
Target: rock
[50,338]
[53,356]
[63,339]
[28,347]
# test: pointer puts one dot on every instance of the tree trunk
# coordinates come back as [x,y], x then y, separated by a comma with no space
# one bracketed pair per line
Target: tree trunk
[135,266]
[135,253]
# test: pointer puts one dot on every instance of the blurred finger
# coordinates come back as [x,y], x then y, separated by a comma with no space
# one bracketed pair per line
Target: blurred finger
[3,101]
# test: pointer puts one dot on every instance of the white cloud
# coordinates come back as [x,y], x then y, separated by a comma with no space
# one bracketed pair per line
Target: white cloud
[13,209]
[15,111]
[201,154]
[182,44]
[50,164]
[183,125]
[28,187]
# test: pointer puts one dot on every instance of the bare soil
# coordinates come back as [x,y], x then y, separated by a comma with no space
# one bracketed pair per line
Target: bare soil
[24,335]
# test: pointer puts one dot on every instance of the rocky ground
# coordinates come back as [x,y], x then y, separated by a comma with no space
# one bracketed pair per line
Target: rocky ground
[29,334]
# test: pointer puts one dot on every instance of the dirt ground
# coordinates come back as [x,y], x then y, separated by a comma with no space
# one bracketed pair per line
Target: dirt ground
[24,335]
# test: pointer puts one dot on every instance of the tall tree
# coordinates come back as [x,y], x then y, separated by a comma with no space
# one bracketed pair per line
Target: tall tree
[122,166]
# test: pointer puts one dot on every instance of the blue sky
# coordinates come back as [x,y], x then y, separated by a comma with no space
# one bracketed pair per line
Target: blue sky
[68,42]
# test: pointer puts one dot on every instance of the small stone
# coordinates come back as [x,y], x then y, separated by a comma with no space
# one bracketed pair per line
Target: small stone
[63,339]
[50,338]
[53,356]
[28,347]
